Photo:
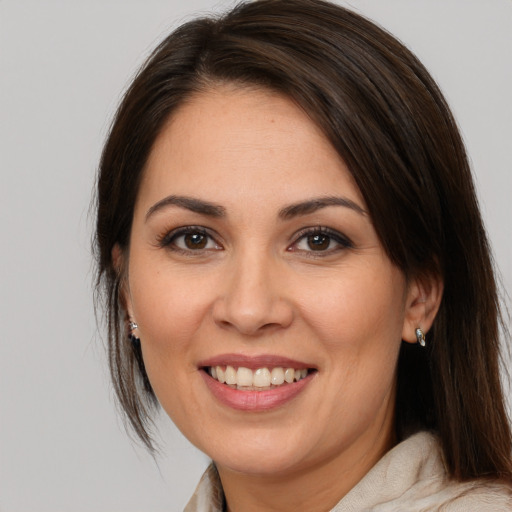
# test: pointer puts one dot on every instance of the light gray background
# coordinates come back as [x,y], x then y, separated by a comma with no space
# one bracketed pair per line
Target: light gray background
[63,65]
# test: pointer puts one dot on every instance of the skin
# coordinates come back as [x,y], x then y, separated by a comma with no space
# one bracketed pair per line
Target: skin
[258,287]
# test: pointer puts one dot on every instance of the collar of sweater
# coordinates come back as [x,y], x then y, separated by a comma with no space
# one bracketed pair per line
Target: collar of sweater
[411,476]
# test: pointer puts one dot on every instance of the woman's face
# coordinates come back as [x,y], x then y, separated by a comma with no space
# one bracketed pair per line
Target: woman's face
[252,252]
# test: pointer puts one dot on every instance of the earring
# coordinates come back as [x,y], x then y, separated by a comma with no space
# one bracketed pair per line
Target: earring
[134,339]
[137,354]
[420,337]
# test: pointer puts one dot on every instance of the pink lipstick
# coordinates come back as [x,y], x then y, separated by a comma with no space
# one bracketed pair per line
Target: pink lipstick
[255,383]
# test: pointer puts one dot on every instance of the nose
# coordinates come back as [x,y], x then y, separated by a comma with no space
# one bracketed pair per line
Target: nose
[252,298]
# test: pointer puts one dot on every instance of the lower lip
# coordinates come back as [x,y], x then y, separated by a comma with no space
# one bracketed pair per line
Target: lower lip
[255,401]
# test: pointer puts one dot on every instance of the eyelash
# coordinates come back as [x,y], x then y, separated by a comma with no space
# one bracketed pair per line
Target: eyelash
[341,240]
[168,240]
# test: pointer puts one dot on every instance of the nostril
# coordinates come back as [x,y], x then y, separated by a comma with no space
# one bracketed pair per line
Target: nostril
[249,329]
[250,307]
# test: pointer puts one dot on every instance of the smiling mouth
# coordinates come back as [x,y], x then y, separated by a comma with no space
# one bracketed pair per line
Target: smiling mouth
[260,379]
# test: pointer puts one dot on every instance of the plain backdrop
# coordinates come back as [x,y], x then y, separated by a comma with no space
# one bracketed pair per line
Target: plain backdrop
[63,66]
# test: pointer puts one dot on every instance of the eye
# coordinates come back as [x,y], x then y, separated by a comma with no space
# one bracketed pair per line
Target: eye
[320,240]
[189,239]
[192,241]
[317,242]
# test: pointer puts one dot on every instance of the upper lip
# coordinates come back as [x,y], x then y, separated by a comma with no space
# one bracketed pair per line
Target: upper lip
[254,362]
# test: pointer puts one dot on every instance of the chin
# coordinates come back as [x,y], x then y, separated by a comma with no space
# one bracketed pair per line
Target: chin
[268,453]
[260,463]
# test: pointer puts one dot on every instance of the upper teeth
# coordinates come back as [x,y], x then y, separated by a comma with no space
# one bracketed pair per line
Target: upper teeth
[260,378]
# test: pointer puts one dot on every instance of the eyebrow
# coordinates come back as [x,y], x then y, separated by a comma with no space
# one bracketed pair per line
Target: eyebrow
[215,210]
[189,203]
[313,205]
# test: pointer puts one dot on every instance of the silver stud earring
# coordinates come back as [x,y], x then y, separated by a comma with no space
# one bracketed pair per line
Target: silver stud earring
[420,337]
[134,339]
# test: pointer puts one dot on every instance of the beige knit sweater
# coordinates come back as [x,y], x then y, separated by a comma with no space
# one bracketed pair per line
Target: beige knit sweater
[411,477]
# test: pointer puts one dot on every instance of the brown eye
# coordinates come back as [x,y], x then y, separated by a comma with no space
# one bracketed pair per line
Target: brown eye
[195,241]
[318,242]
[189,239]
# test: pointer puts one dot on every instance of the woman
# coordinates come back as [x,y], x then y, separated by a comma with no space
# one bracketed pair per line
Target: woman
[295,268]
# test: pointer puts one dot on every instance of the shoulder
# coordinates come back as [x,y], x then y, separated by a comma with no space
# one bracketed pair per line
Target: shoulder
[487,496]
[413,476]
[432,489]
[475,495]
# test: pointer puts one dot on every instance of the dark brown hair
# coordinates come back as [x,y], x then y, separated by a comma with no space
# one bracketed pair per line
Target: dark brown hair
[389,122]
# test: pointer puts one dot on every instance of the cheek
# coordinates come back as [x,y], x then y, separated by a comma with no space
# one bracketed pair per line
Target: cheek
[358,318]
[169,308]
[170,315]
[361,306]
[166,300]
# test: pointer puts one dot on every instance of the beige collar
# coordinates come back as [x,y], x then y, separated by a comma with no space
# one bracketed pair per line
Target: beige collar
[411,476]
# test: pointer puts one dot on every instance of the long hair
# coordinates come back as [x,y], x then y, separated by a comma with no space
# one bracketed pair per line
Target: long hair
[387,119]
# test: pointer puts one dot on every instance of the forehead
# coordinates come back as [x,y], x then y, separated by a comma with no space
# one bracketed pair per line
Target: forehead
[236,142]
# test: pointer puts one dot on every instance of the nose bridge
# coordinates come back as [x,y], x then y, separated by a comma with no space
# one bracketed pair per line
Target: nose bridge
[252,298]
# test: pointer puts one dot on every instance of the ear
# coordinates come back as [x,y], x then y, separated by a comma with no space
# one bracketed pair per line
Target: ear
[424,294]
[120,265]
